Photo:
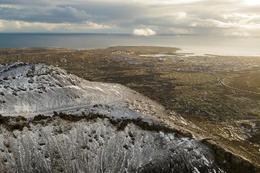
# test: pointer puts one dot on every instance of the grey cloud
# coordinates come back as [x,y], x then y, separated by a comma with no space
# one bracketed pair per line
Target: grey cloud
[202,17]
[70,12]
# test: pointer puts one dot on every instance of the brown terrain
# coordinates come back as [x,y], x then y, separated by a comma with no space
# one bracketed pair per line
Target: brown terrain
[216,98]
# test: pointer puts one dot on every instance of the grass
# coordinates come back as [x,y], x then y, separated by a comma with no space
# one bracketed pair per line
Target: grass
[251,81]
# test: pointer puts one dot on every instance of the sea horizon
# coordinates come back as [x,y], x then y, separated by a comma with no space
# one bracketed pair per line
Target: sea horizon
[197,44]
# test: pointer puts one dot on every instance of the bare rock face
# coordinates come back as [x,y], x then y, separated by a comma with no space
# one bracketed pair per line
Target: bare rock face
[96,127]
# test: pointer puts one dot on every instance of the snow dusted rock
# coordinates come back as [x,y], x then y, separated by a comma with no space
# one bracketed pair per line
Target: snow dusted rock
[97,128]
[29,90]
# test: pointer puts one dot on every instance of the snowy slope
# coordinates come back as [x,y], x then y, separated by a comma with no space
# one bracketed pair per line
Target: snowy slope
[28,90]
[123,134]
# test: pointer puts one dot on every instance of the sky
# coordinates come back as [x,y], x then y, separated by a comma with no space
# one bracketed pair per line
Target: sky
[239,18]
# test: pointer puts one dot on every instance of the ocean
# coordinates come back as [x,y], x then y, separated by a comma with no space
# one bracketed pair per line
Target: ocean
[245,46]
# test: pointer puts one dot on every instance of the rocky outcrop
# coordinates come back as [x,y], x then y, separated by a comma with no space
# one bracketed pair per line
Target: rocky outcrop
[87,126]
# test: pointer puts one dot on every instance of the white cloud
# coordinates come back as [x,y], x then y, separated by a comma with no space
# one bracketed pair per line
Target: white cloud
[181,15]
[1,25]
[6,25]
[9,6]
[144,32]
[251,2]
[165,2]
[239,34]
[181,31]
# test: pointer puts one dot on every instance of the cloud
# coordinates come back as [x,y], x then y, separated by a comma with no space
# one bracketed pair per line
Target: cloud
[251,2]
[240,34]
[1,25]
[144,32]
[165,2]
[9,6]
[216,17]
[179,31]
[41,27]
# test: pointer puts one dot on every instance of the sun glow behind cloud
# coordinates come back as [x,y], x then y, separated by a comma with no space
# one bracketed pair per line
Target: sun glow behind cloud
[252,2]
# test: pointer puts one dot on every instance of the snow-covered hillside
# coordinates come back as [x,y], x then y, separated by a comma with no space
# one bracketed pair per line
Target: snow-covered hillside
[28,90]
[96,127]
